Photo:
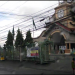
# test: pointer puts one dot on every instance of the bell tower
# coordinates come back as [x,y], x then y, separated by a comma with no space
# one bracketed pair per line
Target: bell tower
[65,1]
[63,12]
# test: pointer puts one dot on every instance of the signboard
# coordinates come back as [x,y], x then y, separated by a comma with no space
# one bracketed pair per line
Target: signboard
[62,47]
[34,52]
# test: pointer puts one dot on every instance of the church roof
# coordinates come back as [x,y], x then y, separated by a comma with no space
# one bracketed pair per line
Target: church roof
[70,30]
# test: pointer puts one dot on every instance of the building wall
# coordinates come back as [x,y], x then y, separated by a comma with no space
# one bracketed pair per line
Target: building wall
[66,7]
[60,30]
[39,38]
[68,37]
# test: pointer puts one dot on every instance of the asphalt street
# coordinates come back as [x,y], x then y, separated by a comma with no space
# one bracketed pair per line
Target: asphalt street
[61,66]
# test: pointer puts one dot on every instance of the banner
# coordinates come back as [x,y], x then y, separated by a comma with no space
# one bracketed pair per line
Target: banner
[32,52]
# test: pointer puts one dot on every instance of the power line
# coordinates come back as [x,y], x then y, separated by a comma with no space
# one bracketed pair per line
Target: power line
[39,27]
[31,24]
[36,12]
[3,4]
[30,18]
[25,15]
[26,20]
[22,22]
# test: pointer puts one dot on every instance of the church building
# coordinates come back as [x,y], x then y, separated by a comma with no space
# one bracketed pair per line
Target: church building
[59,29]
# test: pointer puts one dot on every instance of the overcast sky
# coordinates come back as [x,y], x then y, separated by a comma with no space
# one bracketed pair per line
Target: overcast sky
[20,13]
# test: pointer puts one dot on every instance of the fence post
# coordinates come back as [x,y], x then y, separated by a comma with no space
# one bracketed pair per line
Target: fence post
[40,53]
[20,53]
[12,52]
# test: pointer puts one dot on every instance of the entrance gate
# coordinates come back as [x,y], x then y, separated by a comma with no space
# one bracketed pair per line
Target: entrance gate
[44,51]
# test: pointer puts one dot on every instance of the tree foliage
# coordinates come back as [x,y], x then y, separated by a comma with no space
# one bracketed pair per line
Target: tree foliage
[4,47]
[29,39]
[9,41]
[1,48]
[19,39]
[13,33]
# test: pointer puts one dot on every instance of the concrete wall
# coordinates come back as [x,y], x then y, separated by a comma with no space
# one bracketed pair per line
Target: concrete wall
[39,38]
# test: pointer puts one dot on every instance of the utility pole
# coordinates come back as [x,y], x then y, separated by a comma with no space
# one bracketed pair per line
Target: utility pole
[33,28]
[13,42]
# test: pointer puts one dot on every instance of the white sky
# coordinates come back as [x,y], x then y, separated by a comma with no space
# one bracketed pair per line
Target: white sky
[25,10]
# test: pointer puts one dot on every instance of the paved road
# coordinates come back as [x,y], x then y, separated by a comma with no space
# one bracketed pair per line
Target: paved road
[37,71]
[61,66]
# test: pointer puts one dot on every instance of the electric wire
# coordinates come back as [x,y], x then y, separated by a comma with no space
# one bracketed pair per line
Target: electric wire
[29,25]
[19,23]
[3,4]
[32,14]
[39,27]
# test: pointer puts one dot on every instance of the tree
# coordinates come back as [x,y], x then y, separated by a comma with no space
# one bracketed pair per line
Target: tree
[9,41]
[19,39]
[13,32]
[5,51]
[29,39]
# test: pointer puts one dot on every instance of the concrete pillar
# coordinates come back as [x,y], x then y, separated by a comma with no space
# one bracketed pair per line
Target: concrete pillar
[69,45]
[66,45]
[56,49]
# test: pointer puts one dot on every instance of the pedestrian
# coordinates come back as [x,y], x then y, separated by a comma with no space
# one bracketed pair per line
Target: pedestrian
[73,64]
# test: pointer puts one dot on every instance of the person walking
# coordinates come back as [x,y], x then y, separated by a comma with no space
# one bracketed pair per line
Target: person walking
[73,65]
